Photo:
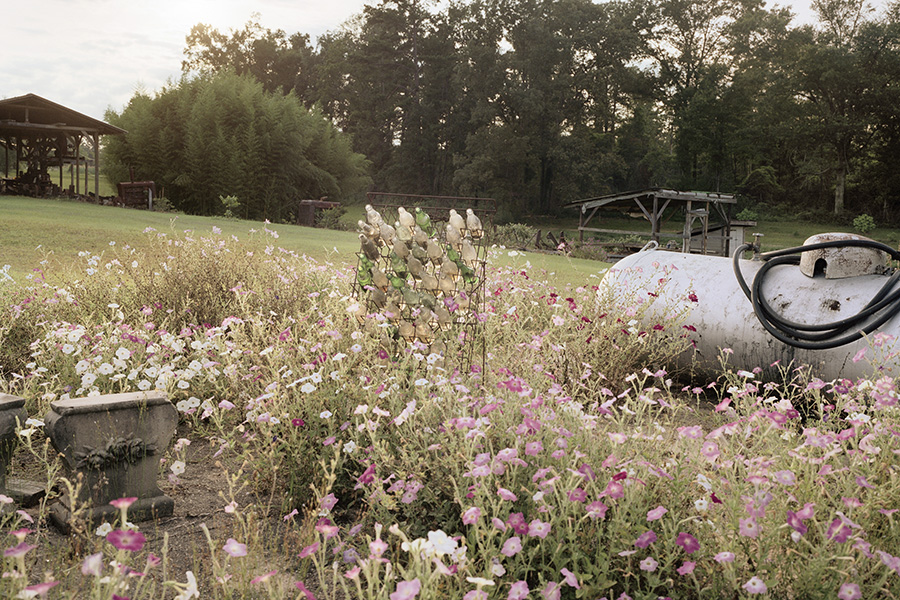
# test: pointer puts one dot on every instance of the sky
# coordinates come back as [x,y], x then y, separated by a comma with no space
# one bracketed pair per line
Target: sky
[90,55]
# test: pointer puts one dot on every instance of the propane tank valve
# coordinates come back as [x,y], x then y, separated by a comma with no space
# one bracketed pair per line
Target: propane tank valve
[757,246]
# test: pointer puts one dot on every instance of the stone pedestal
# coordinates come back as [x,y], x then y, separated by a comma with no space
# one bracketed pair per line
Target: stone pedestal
[114,444]
[12,412]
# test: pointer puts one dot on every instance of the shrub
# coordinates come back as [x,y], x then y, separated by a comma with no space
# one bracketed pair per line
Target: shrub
[513,235]
[864,224]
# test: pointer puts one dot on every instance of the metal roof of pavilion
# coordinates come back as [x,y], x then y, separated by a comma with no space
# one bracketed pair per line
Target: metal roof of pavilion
[589,203]
[31,113]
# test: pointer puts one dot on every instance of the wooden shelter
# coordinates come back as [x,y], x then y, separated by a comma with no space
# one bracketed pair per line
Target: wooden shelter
[43,134]
[707,226]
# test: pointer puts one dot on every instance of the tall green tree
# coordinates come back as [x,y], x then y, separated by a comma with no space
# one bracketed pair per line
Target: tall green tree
[224,135]
[841,78]
[278,61]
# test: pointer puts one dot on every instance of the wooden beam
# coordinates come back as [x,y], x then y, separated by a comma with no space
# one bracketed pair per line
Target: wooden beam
[96,137]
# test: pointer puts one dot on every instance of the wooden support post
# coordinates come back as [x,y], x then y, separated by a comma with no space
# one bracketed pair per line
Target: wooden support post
[77,164]
[580,225]
[96,137]
[686,236]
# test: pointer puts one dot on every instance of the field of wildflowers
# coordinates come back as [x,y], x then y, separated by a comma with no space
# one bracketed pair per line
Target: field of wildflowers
[569,464]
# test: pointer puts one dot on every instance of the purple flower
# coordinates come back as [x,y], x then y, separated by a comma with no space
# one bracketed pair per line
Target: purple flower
[686,568]
[123,539]
[645,539]
[838,531]
[688,542]
[517,522]
[511,547]
[862,482]
[891,562]
[796,522]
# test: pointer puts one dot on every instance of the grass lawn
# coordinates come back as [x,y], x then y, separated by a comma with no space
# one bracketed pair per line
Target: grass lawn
[57,230]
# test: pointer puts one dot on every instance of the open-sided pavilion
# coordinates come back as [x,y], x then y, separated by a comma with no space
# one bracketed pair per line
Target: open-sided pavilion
[43,134]
[707,227]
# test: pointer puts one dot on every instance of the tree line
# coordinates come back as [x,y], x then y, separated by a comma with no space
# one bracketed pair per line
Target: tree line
[541,102]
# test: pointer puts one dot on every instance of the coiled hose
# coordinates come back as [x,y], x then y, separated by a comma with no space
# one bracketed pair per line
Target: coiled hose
[882,307]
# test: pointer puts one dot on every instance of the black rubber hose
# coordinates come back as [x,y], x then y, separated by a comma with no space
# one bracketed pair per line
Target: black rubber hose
[882,307]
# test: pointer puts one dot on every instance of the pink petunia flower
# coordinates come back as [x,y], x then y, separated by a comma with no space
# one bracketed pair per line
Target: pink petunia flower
[649,564]
[796,522]
[710,450]
[517,522]
[123,503]
[518,591]
[755,586]
[724,557]
[614,489]
[311,549]
[511,547]
[506,494]
[849,591]
[234,548]
[40,589]
[688,542]
[264,577]
[569,578]
[749,528]
[596,510]
[645,539]
[537,528]
[302,587]
[656,513]
[551,591]
[785,477]
[124,539]
[329,501]
[20,550]
[686,568]
[93,565]
[407,590]
[471,515]
[838,531]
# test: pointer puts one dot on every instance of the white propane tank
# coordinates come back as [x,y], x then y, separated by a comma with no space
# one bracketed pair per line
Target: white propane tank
[705,291]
